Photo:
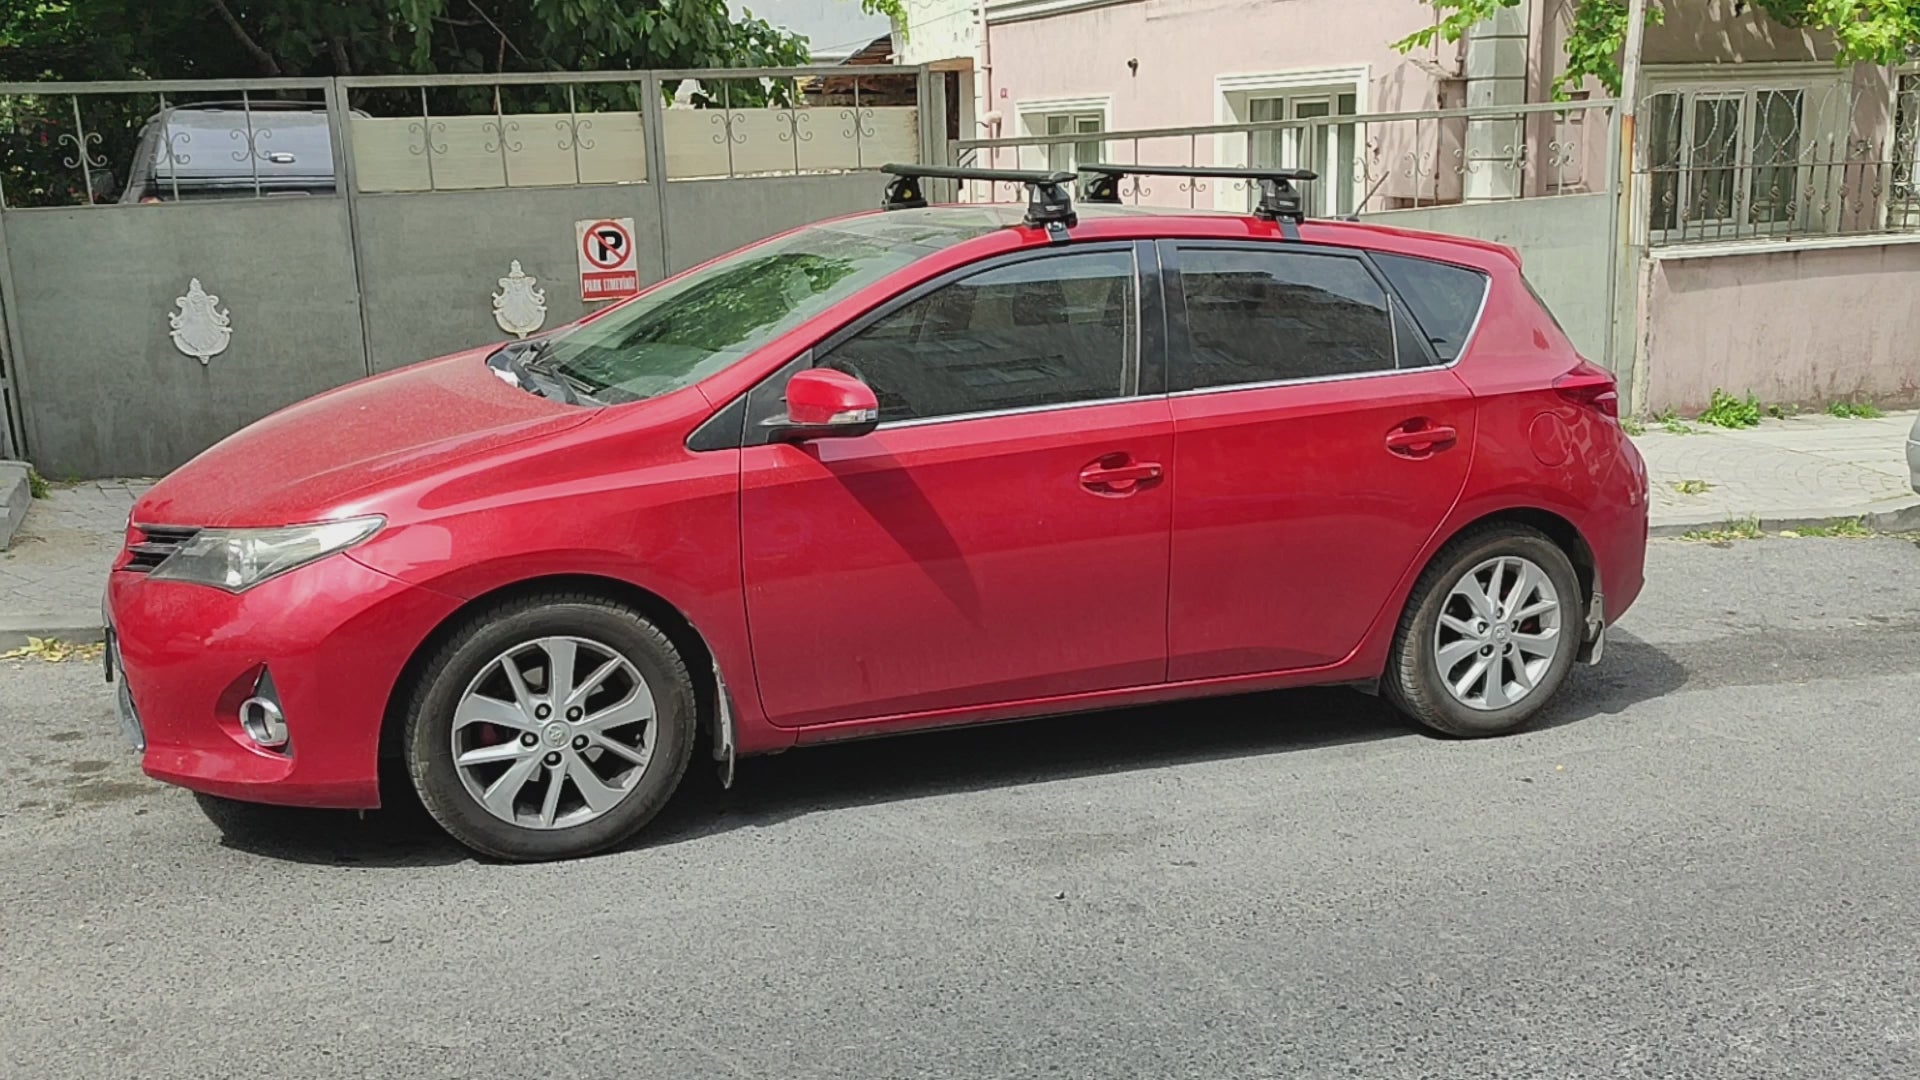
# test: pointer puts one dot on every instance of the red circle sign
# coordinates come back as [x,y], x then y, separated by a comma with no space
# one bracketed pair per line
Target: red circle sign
[607,245]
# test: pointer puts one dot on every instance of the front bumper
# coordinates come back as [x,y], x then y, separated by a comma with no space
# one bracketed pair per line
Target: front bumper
[335,635]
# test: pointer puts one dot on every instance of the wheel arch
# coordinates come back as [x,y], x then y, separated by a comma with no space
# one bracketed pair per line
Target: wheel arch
[680,630]
[1370,657]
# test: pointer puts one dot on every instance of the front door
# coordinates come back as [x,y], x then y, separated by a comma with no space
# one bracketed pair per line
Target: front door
[1002,536]
[1318,448]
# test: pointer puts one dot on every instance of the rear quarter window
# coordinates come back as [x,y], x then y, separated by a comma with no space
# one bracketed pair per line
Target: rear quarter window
[1444,299]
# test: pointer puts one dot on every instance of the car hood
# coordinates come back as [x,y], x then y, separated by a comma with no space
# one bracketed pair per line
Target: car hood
[301,463]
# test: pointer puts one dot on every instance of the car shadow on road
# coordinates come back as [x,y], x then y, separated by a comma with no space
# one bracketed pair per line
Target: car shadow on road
[772,790]
[769,791]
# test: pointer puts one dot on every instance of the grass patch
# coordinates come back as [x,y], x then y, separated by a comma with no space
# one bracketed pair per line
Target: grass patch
[1671,423]
[1781,412]
[1845,528]
[37,484]
[1854,410]
[1725,410]
[1691,487]
[1632,425]
[1746,528]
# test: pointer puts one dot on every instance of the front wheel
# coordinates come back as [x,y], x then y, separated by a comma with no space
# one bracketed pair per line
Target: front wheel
[1488,635]
[551,727]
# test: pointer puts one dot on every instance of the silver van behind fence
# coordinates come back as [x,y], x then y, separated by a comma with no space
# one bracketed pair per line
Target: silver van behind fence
[231,149]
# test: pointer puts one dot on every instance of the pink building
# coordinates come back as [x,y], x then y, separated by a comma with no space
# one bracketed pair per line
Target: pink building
[1755,152]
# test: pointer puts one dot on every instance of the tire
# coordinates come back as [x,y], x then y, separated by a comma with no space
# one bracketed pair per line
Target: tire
[1413,681]
[552,817]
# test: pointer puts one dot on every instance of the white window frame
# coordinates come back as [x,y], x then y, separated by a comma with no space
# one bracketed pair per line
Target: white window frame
[1032,117]
[1825,97]
[1233,97]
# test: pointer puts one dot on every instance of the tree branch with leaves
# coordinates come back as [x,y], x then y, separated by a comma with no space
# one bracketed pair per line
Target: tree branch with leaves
[1870,31]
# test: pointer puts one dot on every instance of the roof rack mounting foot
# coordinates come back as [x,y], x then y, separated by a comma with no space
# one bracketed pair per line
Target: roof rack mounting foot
[1048,204]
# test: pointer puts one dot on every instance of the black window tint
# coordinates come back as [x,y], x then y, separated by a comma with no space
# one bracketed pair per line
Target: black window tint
[1444,299]
[1259,316]
[1044,331]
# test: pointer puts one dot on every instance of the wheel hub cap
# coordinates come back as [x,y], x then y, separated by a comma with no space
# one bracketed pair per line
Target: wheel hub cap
[554,732]
[1498,633]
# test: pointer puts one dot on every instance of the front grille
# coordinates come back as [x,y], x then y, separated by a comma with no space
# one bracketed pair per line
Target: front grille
[155,544]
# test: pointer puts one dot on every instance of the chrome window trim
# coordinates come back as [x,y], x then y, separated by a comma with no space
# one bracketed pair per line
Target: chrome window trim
[1022,410]
[1310,380]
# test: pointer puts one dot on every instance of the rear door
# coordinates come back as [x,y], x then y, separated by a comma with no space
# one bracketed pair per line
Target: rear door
[1002,536]
[1319,442]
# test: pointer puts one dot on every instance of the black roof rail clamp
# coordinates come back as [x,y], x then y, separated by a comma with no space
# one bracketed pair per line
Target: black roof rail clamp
[1049,206]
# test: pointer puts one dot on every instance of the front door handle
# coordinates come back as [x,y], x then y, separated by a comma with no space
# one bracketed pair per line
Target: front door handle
[1417,438]
[1115,474]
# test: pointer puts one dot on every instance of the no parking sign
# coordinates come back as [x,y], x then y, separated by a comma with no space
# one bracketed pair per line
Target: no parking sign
[607,267]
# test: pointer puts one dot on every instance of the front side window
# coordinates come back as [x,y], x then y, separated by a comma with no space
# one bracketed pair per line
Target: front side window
[1046,331]
[699,324]
[1264,316]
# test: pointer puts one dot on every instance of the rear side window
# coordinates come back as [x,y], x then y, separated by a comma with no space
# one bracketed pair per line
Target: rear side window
[1258,316]
[1444,299]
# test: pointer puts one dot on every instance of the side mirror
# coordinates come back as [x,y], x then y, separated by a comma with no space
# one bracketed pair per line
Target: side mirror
[825,404]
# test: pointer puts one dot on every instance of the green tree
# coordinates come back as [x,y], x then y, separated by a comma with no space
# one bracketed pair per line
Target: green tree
[1874,31]
[86,40]
[125,39]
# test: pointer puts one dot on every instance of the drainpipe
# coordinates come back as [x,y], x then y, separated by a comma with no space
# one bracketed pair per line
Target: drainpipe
[1496,75]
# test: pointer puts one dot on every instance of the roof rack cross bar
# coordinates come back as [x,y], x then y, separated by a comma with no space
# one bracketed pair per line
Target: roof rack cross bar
[1279,199]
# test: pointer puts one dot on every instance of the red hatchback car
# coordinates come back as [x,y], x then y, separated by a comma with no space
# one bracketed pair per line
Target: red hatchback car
[900,470]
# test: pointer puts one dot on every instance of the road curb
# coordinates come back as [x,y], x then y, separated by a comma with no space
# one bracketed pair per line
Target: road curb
[77,626]
[1897,516]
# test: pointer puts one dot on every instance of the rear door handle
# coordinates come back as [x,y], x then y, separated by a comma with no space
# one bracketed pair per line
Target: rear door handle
[1409,440]
[1120,477]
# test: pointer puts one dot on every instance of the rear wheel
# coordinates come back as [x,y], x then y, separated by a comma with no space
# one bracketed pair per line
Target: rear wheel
[1489,633]
[551,727]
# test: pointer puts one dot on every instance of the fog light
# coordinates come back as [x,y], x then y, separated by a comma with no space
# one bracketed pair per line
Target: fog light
[261,718]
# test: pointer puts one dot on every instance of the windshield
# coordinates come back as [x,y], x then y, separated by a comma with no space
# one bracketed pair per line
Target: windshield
[703,322]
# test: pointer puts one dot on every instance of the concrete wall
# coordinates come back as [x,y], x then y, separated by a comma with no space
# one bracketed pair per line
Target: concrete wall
[1793,327]
[432,262]
[1563,246]
[106,392]
[712,217]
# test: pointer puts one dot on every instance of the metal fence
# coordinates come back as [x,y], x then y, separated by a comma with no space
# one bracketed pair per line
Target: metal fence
[1823,156]
[347,226]
[1367,163]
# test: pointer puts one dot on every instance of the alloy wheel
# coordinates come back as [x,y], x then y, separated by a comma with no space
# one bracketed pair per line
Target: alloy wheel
[1498,634]
[554,732]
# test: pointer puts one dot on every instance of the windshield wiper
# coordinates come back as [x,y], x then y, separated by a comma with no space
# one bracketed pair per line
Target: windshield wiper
[526,362]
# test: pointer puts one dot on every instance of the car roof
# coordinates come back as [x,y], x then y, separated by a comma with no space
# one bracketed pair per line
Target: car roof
[1100,221]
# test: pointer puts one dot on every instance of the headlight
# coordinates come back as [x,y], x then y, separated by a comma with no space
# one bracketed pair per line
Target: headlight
[238,559]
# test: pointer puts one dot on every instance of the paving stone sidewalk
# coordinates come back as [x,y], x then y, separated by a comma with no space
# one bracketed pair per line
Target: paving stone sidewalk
[1784,472]
[1797,471]
[52,575]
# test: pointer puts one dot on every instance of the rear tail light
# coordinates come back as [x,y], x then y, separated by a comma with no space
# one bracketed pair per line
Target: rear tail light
[1592,387]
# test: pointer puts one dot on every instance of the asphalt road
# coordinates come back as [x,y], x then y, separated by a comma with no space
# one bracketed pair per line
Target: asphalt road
[1705,864]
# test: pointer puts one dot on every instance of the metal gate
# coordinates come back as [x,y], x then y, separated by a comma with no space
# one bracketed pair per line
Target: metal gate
[178,259]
